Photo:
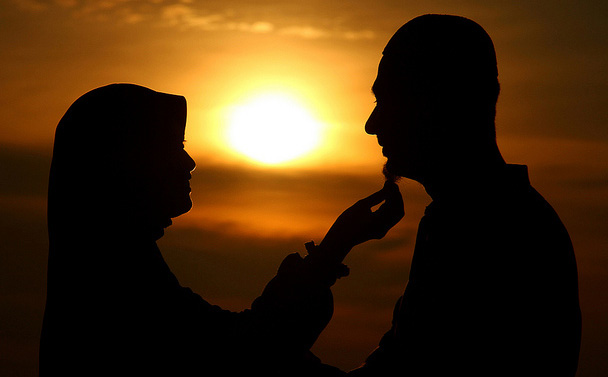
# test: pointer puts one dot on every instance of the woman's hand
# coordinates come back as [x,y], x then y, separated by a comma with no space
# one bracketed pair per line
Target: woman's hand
[359,224]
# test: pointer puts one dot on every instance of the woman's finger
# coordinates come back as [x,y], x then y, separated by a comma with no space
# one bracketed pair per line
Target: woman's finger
[392,210]
[374,199]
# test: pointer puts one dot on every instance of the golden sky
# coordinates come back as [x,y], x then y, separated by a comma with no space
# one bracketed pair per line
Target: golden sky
[552,116]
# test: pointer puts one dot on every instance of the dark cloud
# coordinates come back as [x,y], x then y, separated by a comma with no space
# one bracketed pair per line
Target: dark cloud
[23,261]
[221,263]
[589,183]
[23,171]
[228,263]
[231,269]
[218,260]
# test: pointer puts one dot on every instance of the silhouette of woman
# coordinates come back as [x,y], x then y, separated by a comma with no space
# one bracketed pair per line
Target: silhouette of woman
[119,174]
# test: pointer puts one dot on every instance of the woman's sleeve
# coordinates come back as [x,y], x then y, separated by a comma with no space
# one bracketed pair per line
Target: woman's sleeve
[275,335]
[294,308]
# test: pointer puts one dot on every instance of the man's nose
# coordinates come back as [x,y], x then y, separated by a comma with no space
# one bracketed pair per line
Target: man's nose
[371,126]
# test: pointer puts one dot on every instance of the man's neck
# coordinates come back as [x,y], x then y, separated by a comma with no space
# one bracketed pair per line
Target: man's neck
[463,179]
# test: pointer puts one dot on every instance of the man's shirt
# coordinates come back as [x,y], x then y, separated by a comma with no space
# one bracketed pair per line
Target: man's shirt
[492,289]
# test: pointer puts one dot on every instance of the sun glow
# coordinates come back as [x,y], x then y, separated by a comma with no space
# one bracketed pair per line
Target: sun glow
[272,128]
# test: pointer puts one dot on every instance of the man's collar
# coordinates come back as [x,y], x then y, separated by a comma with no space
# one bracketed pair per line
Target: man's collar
[470,188]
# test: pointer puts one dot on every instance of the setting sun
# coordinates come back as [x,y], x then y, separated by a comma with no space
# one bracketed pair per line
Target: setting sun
[272,128]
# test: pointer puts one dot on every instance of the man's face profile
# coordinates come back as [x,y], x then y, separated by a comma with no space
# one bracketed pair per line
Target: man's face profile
[436,92]
[398,121]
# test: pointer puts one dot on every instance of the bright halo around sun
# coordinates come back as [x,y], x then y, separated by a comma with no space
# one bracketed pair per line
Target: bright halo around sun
[272,128]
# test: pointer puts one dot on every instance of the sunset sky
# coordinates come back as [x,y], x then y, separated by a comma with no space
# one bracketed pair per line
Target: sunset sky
[321,57]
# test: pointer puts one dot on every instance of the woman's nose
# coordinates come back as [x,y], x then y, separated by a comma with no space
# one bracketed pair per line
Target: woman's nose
[190,163]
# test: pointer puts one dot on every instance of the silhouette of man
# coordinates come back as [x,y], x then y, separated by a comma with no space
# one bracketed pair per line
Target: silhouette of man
[119,174]
[492,289]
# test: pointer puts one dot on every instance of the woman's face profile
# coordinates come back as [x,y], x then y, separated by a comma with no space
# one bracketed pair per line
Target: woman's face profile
[138,167]
[168,181]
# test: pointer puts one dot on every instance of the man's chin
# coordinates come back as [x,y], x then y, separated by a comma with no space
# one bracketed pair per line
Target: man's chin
[389,173]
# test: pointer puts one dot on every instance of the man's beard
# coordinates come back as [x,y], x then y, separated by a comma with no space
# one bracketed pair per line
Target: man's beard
[390,176]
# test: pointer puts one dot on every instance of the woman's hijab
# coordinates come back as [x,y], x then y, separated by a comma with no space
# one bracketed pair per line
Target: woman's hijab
[105,271]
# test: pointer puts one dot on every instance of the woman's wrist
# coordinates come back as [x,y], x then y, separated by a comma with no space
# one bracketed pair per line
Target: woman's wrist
[336,251]
[326,263]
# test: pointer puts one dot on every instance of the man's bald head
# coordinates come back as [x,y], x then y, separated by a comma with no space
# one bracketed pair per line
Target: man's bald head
[450,59]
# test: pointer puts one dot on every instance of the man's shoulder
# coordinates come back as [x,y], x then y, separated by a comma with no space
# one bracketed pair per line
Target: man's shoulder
[514,194]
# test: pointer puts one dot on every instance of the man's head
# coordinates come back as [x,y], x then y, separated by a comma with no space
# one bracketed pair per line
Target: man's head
[436,95]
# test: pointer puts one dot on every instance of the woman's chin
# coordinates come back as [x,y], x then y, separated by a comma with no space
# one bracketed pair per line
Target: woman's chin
[183,208]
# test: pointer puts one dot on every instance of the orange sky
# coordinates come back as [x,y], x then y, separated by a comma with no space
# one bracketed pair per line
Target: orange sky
[552,116]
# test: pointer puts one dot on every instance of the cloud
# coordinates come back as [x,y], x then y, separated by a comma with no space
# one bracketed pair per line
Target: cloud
[185,15]
[309,32]
[30,5]
[356,35]
[253,27]
[66,3]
